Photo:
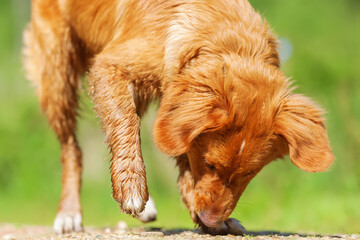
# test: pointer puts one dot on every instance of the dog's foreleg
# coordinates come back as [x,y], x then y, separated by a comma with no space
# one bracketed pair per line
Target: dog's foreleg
[113,95]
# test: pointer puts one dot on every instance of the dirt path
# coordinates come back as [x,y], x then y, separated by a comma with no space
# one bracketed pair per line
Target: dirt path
[121,231]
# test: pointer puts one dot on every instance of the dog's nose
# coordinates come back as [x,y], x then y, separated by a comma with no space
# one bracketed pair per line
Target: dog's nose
[210,218]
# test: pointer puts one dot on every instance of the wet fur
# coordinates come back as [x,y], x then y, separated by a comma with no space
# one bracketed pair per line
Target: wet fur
[226,109]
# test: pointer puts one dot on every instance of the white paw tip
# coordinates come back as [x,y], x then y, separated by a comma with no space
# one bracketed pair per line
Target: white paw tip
[133,205]
[65,223]
[58,225]
[149,213]
[78,223]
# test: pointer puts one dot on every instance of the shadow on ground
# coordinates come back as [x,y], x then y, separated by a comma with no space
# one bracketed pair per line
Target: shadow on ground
[121,231]
[270,234]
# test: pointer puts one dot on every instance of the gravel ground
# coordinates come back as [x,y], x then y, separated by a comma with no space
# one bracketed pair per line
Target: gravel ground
[121,231]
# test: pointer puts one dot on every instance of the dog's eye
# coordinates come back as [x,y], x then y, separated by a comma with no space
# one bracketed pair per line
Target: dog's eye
[211,167]
[249,173]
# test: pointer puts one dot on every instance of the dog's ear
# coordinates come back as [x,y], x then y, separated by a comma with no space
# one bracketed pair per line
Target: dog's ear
[300,122]
[185,112]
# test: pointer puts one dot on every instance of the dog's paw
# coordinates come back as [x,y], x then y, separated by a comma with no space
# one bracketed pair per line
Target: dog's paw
[230,226]
[149,213]
[67,222]
[132,195]
[133,204]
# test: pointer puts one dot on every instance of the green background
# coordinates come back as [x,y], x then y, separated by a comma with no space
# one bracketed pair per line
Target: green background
[325,64]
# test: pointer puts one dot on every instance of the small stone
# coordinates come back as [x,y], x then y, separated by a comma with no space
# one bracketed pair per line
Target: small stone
[8,236]
[107,230]
[152,234]
[354,236]
[121,225]
[187,233]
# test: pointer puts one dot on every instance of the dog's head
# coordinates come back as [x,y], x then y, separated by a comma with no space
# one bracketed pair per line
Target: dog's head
[231,128]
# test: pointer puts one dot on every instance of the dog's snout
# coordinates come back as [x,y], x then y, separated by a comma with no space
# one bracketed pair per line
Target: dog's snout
[210,217]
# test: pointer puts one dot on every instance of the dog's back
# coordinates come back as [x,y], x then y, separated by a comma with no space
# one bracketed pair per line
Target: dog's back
[87,27]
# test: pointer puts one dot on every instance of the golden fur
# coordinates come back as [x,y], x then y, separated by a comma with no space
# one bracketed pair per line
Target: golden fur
[226,109]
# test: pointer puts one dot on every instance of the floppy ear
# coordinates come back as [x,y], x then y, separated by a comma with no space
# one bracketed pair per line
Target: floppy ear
[185,112]
[300,122]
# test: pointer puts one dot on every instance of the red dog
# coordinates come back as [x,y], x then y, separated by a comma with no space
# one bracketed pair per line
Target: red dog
[226,109]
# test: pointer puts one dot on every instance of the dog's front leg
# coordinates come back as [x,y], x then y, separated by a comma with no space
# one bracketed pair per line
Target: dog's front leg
[112,92]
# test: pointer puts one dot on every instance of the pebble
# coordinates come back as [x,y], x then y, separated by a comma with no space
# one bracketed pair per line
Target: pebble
[121,225]
[354,236]
[8,236]
[187,233]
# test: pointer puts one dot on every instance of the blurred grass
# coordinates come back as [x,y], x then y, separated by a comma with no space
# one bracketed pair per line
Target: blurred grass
[325,65]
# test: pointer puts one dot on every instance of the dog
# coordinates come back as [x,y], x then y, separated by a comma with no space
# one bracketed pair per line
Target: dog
[226,109]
